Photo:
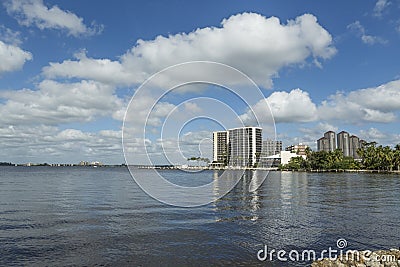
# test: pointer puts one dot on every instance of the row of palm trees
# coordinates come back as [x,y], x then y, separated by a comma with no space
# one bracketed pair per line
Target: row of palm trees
[372,157]
[379,157]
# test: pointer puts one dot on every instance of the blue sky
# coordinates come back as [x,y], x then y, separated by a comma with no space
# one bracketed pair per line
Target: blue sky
[69,68]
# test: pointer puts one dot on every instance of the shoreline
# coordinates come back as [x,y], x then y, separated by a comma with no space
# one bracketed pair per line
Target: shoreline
[167,167]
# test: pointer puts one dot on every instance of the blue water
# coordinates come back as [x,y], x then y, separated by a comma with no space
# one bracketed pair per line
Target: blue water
[61,216]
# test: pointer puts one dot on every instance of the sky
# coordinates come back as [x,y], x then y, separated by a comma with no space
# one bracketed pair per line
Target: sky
[69,69]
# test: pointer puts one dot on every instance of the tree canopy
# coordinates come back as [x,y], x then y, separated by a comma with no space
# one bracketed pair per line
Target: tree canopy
[372,157]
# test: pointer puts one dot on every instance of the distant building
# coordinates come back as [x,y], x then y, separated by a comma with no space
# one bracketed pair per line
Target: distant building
[343,143]
[220,147]
[271,147]
[331,136]
[270,153]
[348,144]
[238,147]
[286,156]
[245,145]
[299,149]
[87,163]
[322,144]
[354,145]
[328,142]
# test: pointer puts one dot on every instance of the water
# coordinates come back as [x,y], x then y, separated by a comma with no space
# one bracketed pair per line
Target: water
[98,216]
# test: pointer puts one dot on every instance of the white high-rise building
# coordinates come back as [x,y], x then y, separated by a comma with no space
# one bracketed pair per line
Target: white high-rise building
[245,146]
[238,147]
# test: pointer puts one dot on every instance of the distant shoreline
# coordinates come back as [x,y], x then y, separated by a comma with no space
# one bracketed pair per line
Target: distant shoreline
[168,167]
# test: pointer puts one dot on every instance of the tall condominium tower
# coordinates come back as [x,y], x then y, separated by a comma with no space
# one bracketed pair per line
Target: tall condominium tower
[343,142]
[354,144]
[322,144]
[348,144]
[331,140]
[244,146]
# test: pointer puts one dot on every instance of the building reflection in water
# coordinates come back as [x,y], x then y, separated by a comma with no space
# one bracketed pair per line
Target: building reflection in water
[246,204]
[279,213]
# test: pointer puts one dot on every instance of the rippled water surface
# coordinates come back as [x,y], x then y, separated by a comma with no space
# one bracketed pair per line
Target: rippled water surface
[99,216]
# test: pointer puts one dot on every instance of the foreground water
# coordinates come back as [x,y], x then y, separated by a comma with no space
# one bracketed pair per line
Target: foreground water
[99,216]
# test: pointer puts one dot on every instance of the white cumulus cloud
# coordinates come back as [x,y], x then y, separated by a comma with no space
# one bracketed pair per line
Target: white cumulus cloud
[35,12]
[295,106]
[370,105]
[54,103]
[12,57]
[375,104]
[257,45]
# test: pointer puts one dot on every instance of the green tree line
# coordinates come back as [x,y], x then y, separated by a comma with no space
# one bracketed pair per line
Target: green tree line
[380,158]
[372,157]
[198,159]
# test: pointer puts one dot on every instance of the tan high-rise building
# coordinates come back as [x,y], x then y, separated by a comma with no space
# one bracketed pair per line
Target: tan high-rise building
[343,143]
[331,137]
[354,144]
[299,149]
[322,144]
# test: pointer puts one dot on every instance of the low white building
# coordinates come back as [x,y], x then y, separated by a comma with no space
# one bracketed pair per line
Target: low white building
[287,155]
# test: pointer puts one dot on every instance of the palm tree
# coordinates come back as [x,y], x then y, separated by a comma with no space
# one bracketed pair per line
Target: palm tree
[308,152]
[397,147]
[388,157]
[396,158]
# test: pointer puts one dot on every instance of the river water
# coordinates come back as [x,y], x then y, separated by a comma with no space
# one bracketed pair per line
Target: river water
[57,216]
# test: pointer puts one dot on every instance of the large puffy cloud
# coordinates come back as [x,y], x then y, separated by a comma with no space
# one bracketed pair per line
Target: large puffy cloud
[385,97]
[295,106]
[12,57]
[376,104]
[257,45]
[35,12]
[54,103]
